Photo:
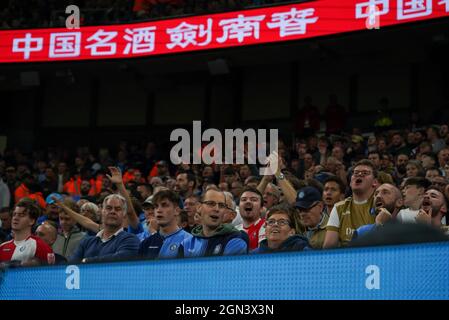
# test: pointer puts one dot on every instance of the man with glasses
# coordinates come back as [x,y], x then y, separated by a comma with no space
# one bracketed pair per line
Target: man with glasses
[312,215]
[355,211]
[166,242]
[212,237]
[280,232]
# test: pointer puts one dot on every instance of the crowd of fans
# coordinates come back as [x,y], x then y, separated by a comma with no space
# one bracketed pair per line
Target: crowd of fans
[328,192]
[20,14]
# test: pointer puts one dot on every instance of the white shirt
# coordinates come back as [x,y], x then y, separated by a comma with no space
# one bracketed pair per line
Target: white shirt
[100,235]
[407,215]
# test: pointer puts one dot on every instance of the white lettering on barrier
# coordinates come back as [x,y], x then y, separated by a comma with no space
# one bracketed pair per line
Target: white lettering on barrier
[73,279]
[373,279]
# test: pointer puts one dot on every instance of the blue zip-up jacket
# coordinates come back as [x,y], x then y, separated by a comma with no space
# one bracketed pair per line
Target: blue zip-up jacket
[164,247]
[120,246]
[226,241]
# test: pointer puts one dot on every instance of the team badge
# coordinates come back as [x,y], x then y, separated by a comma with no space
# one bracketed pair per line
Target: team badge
[217,249]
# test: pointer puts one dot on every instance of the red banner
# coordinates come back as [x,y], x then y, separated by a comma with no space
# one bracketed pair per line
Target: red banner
[238,28]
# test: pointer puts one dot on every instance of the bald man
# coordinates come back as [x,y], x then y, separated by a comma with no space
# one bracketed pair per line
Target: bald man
[47,232]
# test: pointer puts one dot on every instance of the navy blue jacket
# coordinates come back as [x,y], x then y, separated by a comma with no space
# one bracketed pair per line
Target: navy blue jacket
[293,243]
[159,246]
[120,246]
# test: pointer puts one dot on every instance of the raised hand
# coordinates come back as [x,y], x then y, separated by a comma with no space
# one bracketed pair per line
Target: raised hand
[116,175]
[424,216]
[57,201]
[383,216]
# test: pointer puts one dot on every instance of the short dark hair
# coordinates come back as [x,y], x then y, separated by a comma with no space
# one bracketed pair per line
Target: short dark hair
[435,169]
[146,185]
[368,163]
[194,196]
[254,190]
[208,190]
[375,152]
[169,195]
[5,209]
[430,155]
[440,190]
[419,182]
[338,181]
[252,179]
[31,208]
[283,208]
[190,177]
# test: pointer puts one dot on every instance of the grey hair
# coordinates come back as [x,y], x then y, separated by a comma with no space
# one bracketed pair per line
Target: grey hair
[90,206]
[230,195]
[119,197]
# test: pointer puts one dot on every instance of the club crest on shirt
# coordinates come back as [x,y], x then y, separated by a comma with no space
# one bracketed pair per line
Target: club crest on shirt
[173,247]
[217,249]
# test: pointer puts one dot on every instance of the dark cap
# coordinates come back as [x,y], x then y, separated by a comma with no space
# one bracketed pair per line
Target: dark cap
[148,202]
[307,197]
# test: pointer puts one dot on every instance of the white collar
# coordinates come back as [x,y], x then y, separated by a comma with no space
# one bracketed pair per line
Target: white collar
[100,235]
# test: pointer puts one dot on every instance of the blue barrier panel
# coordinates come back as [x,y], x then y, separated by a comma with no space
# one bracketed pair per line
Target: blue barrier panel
[418,271]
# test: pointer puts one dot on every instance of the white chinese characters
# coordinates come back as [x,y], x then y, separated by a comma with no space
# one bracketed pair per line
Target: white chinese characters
[27,45]
[140,40]
[65,44]
[102,44]
[405,9]
[372,9]
[292,22]
[189,34]
[408,9]
[445,3]
[240,28]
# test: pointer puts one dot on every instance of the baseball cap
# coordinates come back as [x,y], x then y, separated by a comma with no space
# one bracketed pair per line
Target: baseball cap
[49,199]
[306,197]
[148,202]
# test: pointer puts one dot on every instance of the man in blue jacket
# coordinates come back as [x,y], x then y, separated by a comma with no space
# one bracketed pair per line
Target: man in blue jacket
[212,237]
[166,242]
[112,242]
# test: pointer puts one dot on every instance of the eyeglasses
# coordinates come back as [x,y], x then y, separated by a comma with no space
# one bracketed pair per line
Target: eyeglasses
[280,222]
[212,204]
[362,173]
